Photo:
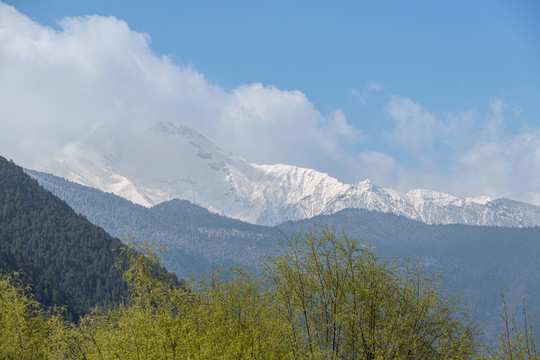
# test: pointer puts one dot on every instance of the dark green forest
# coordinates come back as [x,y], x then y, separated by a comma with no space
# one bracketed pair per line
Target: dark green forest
[66,259]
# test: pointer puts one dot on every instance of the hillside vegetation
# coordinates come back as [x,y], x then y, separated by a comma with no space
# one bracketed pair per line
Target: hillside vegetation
[67,260]
[68,290]
[477,261]
[325,296]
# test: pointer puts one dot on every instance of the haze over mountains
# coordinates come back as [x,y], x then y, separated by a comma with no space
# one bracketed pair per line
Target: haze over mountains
[476,260]
[168,161]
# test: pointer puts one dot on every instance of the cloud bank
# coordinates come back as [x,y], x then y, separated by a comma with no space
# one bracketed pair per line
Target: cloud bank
[467,154]
[95,75]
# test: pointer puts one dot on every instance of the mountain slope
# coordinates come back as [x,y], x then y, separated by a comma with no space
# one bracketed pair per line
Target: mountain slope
[169,161]
[196,239]
[44,286]
[66,259]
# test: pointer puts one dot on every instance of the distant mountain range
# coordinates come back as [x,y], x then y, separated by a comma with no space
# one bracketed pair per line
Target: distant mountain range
[476,260]
[196,239]
[174,162]
[68,258]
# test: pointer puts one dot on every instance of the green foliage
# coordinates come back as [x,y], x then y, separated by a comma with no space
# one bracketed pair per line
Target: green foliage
[325,296]
[240,318]
[228,317]
[513,344]
[147,325]
[340,300]
[26,330]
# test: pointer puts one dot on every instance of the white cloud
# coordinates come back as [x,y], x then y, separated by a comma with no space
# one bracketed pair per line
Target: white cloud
[374,85]
[359,96]
[95,73]
[504,167]
[482,159]
[381,167]
[415,128]
[340,128]
[362,96]
[420,131]
[496,119]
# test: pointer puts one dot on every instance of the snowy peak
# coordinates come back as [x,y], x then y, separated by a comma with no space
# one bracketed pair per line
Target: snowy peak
[171,161]
[298,183]
[366,185]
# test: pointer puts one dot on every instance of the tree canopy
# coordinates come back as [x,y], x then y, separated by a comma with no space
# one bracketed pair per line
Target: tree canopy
[325,296]
[339,299]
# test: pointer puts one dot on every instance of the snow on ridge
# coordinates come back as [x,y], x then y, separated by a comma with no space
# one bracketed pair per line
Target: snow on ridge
[172,161]
[440,198]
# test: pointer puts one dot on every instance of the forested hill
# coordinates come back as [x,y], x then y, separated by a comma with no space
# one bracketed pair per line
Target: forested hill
[66,259]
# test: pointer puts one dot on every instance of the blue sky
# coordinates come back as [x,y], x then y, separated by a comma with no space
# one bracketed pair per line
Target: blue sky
[444,96]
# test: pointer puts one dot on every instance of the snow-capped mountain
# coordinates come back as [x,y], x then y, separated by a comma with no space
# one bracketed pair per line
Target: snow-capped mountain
[170,161]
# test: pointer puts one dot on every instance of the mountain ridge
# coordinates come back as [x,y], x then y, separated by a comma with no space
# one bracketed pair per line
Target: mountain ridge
[173,161]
